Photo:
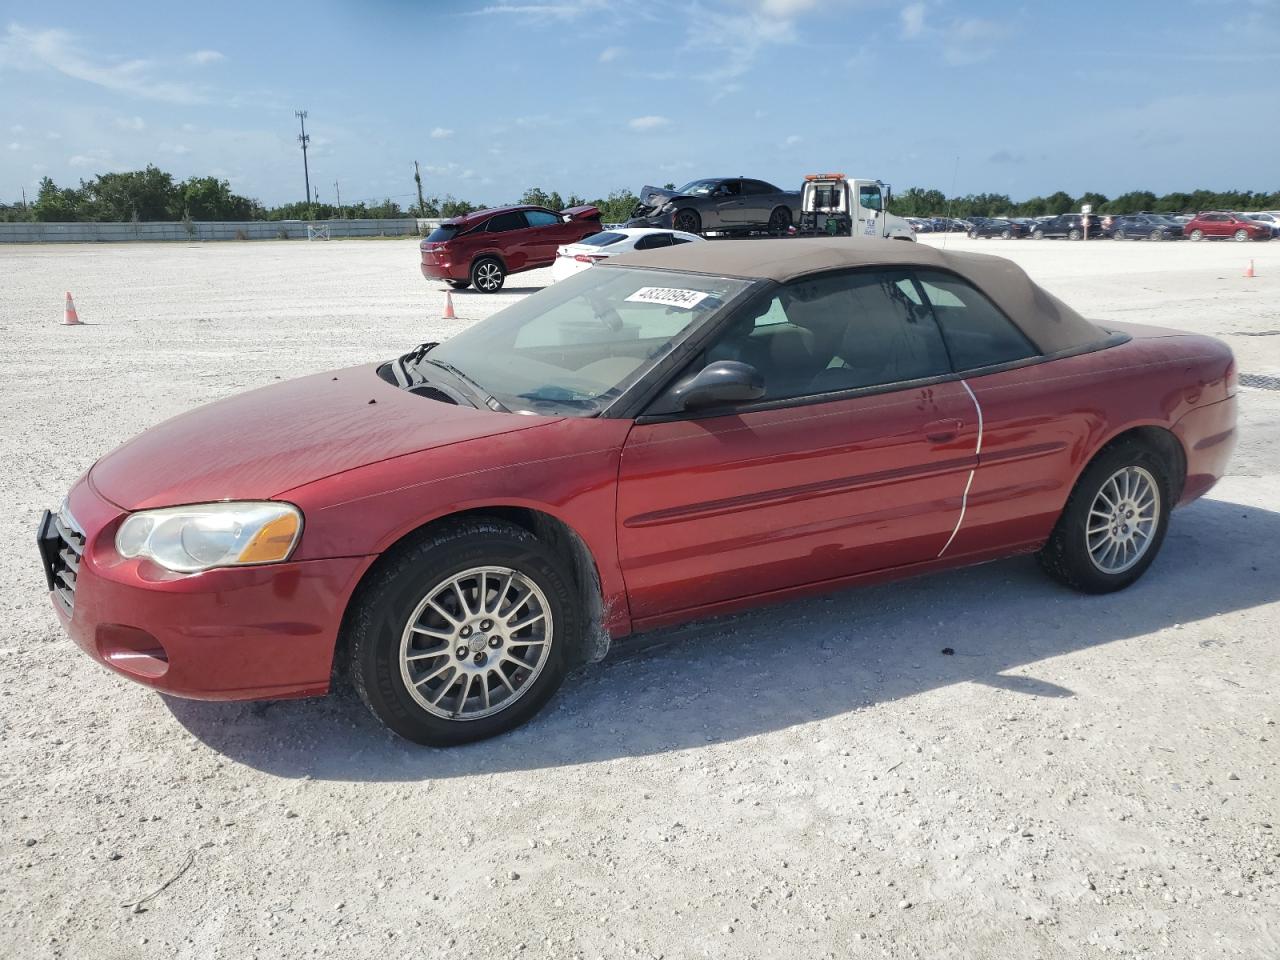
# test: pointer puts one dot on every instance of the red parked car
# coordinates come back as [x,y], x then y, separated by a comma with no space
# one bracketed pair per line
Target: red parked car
[1209,226]
[668,435]
[482,248]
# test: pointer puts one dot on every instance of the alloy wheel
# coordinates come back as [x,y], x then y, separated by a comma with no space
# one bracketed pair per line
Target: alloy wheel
[1241,235]
[476,643]
[1122,519]
[488,276]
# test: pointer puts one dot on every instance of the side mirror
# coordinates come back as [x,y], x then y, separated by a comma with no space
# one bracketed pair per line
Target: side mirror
[718,383]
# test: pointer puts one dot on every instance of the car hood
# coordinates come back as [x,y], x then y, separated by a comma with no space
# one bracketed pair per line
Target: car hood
[259,444]
[657,196]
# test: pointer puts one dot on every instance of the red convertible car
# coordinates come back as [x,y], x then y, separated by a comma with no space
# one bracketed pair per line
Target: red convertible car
[668,435]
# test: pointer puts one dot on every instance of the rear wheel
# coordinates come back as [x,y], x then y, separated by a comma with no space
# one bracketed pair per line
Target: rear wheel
[688,221]
[1114,522]
[463,635]
[488,275]
[1074,234]
[1157,234]
[1197,235]
[1006,234]
[1037,234]
[1119,234]
[779,221]
[1241,236]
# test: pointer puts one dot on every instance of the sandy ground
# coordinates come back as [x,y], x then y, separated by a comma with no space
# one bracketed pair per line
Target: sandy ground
[1085,777]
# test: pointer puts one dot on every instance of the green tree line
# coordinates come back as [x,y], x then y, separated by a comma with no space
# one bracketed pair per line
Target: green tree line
[152,194]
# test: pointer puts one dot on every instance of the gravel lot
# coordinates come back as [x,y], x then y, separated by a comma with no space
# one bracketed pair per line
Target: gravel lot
[1085,776]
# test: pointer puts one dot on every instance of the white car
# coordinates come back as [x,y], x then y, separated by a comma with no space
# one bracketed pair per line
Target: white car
[574,257]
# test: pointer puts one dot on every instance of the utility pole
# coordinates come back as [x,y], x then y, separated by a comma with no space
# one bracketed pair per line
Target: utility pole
[24,199]
[304,140]
[417,178]
[342,214]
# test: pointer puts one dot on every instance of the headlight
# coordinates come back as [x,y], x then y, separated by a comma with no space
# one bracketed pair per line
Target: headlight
[208,535]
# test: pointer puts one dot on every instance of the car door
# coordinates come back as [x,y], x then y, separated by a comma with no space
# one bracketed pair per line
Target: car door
[508,234]
[1215,225]
[855,460]
[546,232]
[870,204]
[1036,418]
[730,205]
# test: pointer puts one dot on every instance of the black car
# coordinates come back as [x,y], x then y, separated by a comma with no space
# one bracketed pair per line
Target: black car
[989,227]
[721,205]
[1140,226]
[1069,225]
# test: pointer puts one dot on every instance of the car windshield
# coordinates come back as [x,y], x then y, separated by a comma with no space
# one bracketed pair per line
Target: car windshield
[603,239]
[698,188]
[572,348]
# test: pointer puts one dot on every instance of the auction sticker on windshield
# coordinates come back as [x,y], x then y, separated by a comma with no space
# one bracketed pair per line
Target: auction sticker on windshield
[669,297]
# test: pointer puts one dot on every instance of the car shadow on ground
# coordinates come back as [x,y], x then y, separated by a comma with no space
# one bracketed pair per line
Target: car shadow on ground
[751,673]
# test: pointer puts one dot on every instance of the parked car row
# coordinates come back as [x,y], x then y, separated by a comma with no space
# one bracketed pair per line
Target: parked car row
[1210,225]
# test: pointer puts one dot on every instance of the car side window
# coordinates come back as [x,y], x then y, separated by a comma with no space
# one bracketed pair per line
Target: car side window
[541,218]
[834,333]
[728,188]
[756,187]
[869,196]
[503,222]
[651,241]
[976,332]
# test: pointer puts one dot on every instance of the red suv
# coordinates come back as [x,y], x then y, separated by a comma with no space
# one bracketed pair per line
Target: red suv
[483,247]
[1206,226]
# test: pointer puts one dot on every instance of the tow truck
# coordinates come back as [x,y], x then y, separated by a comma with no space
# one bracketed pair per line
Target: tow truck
[833,205]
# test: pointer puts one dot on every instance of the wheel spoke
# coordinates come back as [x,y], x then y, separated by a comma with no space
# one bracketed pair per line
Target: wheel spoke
[444,689]
[431,676]
[462,598]
[527,621]
[428,655]
[462,697]
[432,633]
[440,609]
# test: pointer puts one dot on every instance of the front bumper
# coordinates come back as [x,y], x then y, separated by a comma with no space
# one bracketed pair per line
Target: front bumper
[245,633]
[664,221]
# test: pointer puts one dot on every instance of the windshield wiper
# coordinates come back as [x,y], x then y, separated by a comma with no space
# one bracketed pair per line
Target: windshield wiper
[490,401]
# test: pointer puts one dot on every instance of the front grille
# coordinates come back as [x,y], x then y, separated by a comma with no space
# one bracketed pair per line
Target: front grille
[63,551]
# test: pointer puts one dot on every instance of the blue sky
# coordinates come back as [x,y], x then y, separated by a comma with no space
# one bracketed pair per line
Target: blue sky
[584,96]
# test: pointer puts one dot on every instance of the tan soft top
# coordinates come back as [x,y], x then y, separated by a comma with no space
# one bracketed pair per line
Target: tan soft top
[1049,323]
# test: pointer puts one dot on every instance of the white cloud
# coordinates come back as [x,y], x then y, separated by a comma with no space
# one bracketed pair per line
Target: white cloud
[972,41]
[90,158]
[130,123]
[202,58]
[441,133]
[609,54]
[648,123]
[542,11]
[25,49]
[17,128]
[15,146]
[175,149]
[792,140]
[912,17]
[786,8]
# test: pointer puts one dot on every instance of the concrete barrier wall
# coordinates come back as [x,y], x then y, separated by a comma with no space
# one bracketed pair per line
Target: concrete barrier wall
[203,230]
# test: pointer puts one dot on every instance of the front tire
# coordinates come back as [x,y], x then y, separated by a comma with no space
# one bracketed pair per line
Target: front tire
[1119,234]
[1114,522]
[1006,235]
[688,221]
[779,222]
[1197,235]
[488,275]
[1074,234]
[463,634]
[1241,236]
[1037,234]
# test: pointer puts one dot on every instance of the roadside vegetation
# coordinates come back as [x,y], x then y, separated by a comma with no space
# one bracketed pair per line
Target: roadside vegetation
[152,194]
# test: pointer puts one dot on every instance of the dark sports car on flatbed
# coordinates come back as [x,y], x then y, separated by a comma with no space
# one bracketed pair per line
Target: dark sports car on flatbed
[720,205]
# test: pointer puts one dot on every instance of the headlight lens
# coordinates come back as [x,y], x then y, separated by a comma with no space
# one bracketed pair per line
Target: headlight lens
[204,536]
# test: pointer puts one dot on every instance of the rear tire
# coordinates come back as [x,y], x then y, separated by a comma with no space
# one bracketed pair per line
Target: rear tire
[1241,236]
[1196,235]
[488,275]
[1074,234]
[1037,234]
[1006,235]
[1101,513]
[1119,234]
[398,640]
[1157,235]
[779,222]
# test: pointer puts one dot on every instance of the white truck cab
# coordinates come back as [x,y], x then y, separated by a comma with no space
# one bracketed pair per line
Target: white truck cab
[832,204]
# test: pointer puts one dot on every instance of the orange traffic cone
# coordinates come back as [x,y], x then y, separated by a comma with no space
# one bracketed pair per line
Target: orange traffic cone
[1248,271]
[448,307]
[69,317]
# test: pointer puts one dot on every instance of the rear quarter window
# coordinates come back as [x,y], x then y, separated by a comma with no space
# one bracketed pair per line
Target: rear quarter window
[977,334]
[444,232]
